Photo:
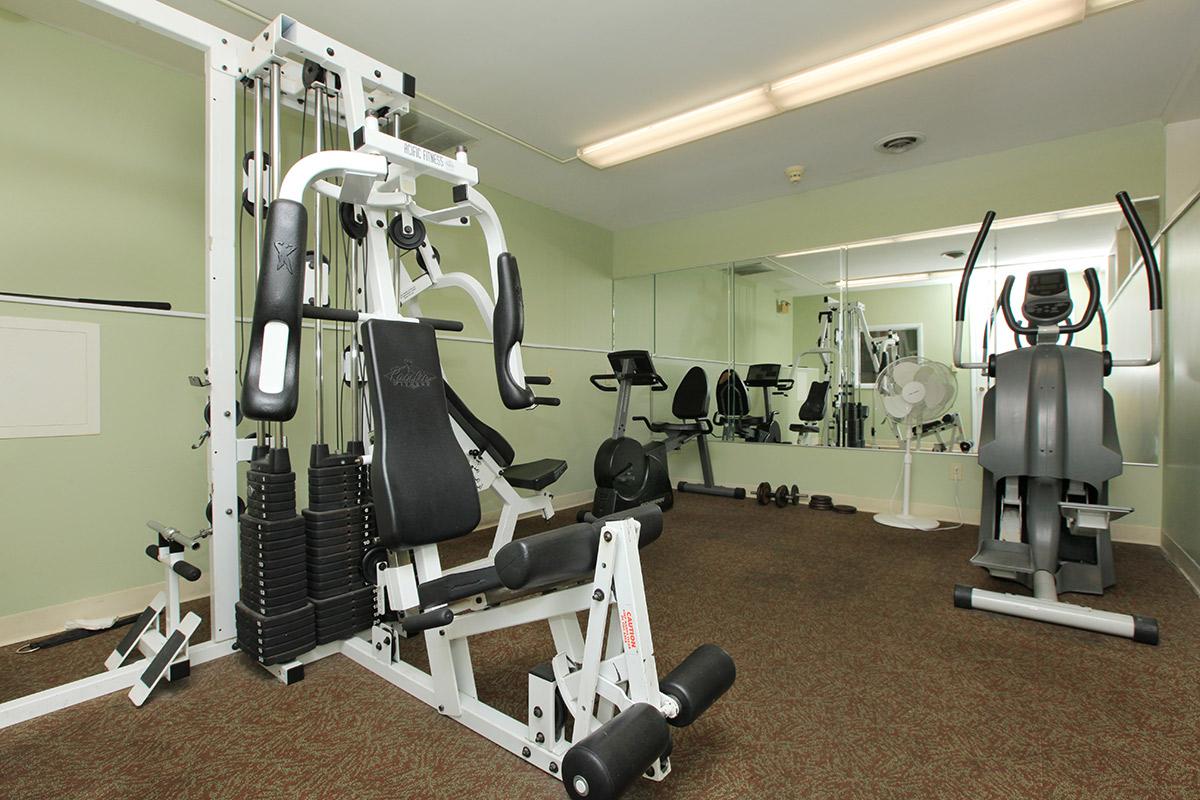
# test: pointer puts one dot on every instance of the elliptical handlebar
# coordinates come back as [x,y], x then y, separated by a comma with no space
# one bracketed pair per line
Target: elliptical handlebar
[1089,314]
[960,307]
[1153,285]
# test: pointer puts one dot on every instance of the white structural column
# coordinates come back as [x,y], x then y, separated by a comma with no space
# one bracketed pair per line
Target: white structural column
[220,210]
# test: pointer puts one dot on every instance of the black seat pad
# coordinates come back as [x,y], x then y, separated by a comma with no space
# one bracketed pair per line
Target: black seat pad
[423,487]
[535,475]
[485,437]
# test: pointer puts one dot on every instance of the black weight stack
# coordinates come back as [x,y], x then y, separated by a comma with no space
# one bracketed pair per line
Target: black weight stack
[275,620]
[339,523]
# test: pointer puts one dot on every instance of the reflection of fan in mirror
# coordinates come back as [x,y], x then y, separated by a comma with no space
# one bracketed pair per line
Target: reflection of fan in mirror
[914,391]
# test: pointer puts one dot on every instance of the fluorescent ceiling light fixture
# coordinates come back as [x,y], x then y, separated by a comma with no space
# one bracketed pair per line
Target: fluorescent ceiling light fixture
[993,26]
[884,280]
[1096,6]
[699,123]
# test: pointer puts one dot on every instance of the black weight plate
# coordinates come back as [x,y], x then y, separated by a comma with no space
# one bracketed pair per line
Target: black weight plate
[344,628]
[268,509]
[325,519]
[362,594]
[326,592]
[333,577]
[341,547]
[820,498]
[795,495]
[335,461]
[270,477]
[844,509]
[278,552]
[349,495]
[263,515]
[273,608]
[270,589]
[270,657]
[329,569]
[250,615]
[273,577]
[763,493]
[275,639]
[781,496]
[358,620]
[280,526]
[335,472]
[359,607]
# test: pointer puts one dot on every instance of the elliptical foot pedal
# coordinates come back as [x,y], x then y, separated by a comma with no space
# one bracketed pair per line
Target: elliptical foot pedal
[610,758]
[698,681]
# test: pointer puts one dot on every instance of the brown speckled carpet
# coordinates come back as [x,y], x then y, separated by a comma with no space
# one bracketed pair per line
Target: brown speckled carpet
[857,678]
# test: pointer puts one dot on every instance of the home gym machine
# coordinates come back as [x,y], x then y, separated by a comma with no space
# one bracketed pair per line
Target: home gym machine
[599,717]
[629,473]
[1048,447]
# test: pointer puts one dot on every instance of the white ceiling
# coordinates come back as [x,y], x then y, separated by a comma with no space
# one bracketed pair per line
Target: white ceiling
[565,74]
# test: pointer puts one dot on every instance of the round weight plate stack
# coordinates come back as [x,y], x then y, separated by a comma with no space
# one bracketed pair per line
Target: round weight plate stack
[821,502]
[844,509]
[781,496]
[763,493]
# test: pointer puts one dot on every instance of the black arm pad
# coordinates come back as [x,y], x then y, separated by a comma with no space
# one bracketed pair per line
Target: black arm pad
[508,328]
[566,553]
[189,572]
[279,299]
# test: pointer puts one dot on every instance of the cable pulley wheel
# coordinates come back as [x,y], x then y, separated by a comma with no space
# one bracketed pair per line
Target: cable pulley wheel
[409,239]
[421,258]
[353,221]
[208,509]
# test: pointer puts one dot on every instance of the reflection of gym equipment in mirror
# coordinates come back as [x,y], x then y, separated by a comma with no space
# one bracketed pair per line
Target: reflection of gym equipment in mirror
[1049,447]
[628,472]
[833,409]
[733,403]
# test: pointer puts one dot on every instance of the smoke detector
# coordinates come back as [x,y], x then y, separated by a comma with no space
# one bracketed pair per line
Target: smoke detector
[794,173]
[896,143]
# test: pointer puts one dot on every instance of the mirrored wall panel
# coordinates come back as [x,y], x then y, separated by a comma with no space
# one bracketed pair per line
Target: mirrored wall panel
[853,345]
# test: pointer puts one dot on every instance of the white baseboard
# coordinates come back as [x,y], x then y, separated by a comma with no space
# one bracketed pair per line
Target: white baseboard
[38,622]
[1121,531]
[1182,561]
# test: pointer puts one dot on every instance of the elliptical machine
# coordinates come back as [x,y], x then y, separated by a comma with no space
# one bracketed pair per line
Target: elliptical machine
[629,473]
[1048,447]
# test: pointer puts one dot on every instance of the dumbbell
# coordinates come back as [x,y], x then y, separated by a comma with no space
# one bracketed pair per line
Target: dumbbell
[781,496]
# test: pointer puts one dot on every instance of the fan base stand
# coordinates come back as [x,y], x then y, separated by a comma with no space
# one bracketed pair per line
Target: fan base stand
[907,521]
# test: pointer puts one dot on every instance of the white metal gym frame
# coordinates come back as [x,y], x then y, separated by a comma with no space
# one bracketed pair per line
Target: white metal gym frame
[227,60]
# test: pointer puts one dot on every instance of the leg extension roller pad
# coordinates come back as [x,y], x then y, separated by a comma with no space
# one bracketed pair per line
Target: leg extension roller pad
[698,681]
[609,759]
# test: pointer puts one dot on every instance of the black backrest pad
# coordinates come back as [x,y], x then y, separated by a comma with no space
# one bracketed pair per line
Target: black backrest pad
[813,408]
[691,396]
[423,486]
[485,437]
[732,399]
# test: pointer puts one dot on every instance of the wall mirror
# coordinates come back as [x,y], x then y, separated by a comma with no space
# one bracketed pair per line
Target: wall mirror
[804,349]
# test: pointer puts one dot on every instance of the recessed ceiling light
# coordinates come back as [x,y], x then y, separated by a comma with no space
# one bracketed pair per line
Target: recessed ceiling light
[896,143]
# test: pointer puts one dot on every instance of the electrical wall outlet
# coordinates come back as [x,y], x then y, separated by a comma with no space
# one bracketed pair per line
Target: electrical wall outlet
[956,472]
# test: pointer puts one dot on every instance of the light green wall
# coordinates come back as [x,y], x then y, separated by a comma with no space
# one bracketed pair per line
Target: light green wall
[111,205]
[1066,173]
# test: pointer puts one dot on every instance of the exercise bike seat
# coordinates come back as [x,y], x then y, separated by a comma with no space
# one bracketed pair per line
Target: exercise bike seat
[535,475]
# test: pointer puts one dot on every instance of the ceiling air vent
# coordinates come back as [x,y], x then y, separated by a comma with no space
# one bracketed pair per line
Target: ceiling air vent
[431,133]
[747,268]
[898,143]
